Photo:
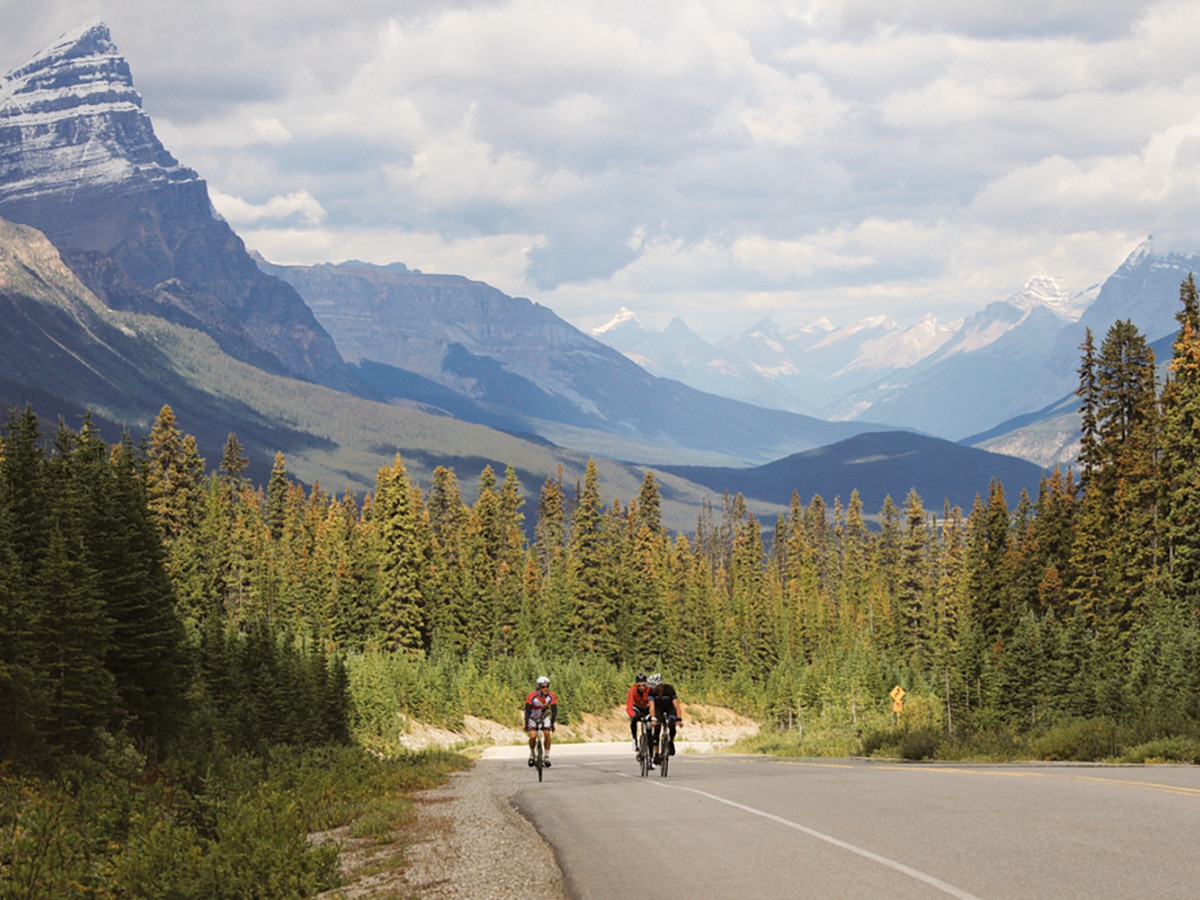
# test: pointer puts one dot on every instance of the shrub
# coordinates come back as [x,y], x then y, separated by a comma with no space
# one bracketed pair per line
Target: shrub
[1078,740]
[1176,749]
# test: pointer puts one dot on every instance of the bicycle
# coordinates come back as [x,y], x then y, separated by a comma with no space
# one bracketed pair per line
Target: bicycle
[539,758]
[645,749]
[664,745]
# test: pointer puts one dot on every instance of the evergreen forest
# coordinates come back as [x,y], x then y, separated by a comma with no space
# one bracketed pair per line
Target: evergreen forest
[161,615]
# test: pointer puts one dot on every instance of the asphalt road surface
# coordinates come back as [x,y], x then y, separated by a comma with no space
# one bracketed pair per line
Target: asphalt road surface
[745,827]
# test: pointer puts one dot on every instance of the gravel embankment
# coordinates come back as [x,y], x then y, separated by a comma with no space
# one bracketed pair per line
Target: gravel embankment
[480,846]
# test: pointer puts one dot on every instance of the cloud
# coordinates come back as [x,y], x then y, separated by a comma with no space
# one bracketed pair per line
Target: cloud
[499,260]
[300,205]
[715,159]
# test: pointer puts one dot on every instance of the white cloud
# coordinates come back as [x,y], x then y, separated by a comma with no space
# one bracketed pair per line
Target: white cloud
[707,158]
[300,205]
[500,260]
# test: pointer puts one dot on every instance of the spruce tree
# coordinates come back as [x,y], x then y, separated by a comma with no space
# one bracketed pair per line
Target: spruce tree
[1180,454]
[593,620]
[913,622]
[403,554]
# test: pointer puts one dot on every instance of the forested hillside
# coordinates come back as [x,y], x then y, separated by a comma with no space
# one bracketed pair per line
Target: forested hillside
[153,612]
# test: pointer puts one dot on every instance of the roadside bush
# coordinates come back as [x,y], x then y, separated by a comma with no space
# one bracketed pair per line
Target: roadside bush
[1077,740]
[1176,749]
[883,742]
[236,828]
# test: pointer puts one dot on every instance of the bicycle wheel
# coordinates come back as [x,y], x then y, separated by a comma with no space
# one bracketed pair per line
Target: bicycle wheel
[537,756]
[664,754]
[645,752]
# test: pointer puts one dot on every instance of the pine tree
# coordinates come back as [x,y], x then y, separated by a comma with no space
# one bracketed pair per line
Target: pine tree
[751,602]
[449,525]
[593,620]
[988,564]
[551,607]
[1180,455]
[174,476]
[73,636]
[146,657]
[1089,398]
[403,554]
[277,492]
[911,596]
[234,464]
[1116,548]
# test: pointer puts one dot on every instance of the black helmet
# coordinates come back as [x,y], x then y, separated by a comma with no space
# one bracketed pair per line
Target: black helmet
[640,679]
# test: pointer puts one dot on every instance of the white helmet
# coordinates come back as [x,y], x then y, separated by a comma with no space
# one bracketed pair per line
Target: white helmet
[655,680]
[543,680]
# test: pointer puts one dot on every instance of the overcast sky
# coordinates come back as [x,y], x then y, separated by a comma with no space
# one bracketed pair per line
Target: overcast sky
[723,161]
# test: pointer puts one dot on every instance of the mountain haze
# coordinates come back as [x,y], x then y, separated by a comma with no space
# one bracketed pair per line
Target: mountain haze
[947,379]
[518,360]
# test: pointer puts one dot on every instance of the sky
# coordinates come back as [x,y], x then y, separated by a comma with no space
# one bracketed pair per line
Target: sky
[723,161]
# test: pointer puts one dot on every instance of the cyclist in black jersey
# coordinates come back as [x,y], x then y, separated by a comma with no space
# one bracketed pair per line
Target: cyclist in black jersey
[664,707]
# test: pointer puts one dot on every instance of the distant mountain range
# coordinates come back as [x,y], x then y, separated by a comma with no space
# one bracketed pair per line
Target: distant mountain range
[1008,361]
[874,464]
[449,343]
[122,290]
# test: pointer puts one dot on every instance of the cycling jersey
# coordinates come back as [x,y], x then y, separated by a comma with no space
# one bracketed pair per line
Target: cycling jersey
[638,703]
[664,703]
[540,708]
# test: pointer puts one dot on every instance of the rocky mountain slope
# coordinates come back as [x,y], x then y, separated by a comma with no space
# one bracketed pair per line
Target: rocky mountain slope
[438,338]
[80,162]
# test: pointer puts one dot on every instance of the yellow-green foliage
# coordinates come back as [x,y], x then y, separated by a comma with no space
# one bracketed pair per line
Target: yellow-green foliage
[236,828]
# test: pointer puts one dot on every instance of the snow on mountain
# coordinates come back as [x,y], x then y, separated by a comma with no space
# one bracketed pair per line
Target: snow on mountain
[1044,290]
[71,117]
[901,348]
[801,337]
[764,347]
[623,318]
[79,161]
[871,325]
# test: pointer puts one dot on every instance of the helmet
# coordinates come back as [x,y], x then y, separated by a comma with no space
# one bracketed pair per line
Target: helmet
[641,678]
[655,680]
[543,681]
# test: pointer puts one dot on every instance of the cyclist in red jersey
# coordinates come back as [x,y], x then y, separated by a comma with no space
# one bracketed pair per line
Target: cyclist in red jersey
[637,705]
[541,712]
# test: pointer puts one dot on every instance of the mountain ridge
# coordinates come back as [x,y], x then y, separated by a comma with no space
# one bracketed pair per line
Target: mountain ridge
[80,162]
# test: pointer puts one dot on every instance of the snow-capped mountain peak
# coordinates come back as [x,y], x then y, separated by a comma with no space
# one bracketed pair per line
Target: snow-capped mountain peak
[1045,290]
[624,317]
[70,118]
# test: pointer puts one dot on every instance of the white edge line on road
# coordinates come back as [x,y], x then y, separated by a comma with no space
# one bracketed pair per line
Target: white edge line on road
[875,857]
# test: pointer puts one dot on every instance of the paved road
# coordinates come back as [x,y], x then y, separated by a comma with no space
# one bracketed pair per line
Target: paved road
[754,827]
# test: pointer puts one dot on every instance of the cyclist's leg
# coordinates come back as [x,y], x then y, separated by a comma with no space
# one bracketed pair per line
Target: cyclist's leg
[672,736]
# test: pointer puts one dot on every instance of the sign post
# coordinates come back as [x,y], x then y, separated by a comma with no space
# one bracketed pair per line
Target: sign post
[897,694]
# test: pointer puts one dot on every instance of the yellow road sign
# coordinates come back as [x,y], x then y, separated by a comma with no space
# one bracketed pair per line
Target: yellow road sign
[897,693]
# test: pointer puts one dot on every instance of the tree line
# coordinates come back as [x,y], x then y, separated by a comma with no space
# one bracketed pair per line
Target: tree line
[136,576]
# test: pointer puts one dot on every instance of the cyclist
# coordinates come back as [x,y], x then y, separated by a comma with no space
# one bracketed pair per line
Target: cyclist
[637,705]
[541,707]
[664,707]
